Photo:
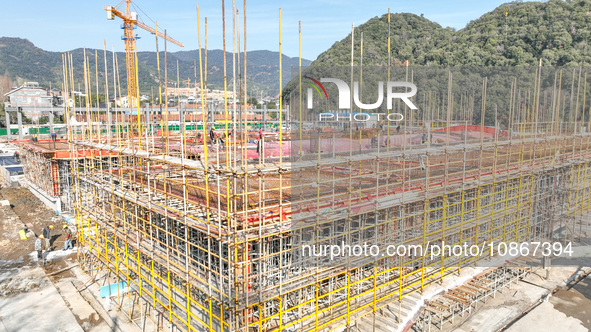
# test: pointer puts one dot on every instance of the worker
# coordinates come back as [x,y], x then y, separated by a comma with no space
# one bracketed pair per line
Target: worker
[47,236]
[68,243]
[39,247]
[23,233]
[212,135]
[221,138]
[260,148]
[16,157]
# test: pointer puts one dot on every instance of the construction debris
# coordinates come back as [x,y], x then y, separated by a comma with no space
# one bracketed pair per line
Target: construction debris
[464,299]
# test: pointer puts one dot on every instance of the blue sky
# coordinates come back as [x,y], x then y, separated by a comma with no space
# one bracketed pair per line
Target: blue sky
[69,24]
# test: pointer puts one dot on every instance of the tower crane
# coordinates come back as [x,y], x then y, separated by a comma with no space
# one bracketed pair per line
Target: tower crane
[130,23]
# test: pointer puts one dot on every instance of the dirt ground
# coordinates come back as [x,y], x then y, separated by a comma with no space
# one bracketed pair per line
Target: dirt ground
[25,210]
[24,284]
[25,288]
[57,296]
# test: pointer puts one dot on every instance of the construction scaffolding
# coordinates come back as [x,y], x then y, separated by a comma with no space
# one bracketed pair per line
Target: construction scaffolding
[46,165]
[215,249]
[462,300]
[206,231]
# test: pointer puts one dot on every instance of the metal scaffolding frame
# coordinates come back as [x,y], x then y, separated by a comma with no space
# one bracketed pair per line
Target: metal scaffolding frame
[462,300]
[208,238]
[46,164]
[196,245]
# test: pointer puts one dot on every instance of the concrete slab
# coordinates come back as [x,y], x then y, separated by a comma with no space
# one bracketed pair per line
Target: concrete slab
[575,302]
[545,317]
[39,311]
[501,310]
[567,310]
[561,313]
[76,302]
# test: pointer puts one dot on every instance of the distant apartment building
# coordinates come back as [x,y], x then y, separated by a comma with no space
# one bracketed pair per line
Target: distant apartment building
[30,95]
[122,101]
[195,93]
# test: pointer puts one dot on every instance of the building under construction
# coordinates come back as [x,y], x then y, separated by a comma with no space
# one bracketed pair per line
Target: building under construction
[205,230]
[46,165]
[202,236]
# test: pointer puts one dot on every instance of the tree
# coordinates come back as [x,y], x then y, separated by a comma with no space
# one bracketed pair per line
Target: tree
[271,105]
[2,116]
[43,120]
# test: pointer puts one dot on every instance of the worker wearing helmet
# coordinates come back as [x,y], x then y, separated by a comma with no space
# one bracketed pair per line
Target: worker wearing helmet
[68,243]
[47,236]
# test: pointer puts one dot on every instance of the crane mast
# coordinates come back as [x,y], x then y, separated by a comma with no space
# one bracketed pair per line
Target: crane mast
[130,23]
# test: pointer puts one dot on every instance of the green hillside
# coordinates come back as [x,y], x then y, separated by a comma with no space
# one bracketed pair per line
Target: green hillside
[22,61]
[557,31]
[514,34]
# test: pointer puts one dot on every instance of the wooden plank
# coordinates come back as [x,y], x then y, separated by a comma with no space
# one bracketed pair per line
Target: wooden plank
[469,289]
[486,289]
[465,291]
[434,310]
[485,280]
[481,282]
[440,305]
[447,301]
[456,298]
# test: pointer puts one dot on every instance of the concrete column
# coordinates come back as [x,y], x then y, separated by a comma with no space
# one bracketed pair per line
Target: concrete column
[7,115]
[109,122]
[286,119]
[182,128]
[51,123]
[20,124]
[147,122]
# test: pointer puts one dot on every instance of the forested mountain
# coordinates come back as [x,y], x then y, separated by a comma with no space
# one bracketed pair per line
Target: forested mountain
[21,60]
[516,33]
[504,46]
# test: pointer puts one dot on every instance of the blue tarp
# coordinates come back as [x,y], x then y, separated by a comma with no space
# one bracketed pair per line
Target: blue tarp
[112,289]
